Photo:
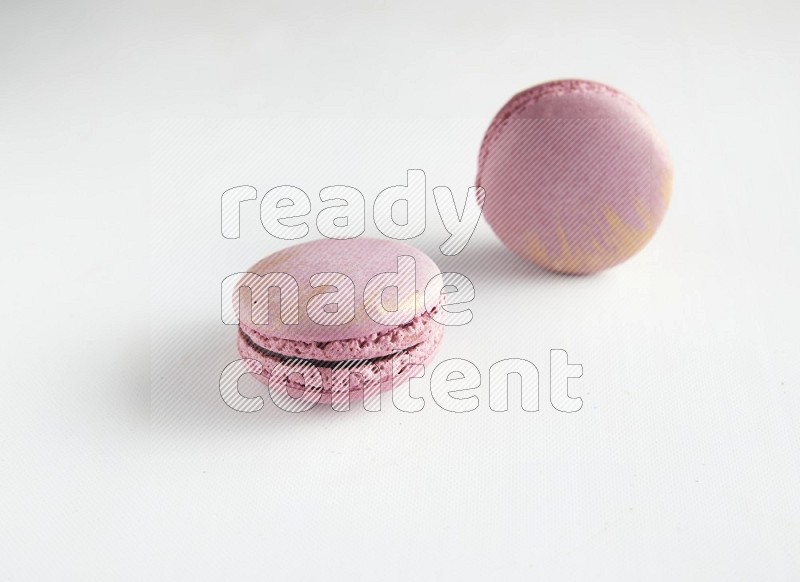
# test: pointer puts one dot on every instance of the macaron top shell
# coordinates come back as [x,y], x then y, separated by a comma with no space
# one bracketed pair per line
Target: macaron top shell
[576,177]
[332,277]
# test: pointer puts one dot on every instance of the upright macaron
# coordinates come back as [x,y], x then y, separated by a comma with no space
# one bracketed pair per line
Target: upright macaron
[339,317]
[576,178]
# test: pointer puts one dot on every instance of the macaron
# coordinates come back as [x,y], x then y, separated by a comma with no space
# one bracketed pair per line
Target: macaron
[575,176]
[352,317]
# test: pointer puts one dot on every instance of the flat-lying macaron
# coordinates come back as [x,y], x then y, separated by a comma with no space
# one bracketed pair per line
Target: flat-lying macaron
[352,317]
[576,178]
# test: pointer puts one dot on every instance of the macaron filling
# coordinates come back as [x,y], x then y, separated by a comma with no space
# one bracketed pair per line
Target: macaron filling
[372,357]
[374,345]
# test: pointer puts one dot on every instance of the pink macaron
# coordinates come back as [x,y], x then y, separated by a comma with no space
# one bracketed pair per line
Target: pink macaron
[576,178]
[333,317]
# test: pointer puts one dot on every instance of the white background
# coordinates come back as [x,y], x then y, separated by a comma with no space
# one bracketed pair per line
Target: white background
[123,124]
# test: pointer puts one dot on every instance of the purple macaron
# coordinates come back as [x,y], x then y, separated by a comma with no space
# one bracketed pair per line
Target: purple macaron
[576,178]
[353,313]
